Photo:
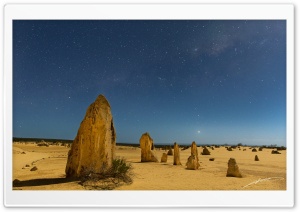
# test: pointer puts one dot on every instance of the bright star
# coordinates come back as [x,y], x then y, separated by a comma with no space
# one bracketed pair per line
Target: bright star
[198,131]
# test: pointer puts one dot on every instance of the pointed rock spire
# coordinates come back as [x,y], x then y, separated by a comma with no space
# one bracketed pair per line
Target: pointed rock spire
[94,146]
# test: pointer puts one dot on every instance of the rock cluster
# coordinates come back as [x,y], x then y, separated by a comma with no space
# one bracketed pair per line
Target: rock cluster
[233,169]
[93,149]
[147,147]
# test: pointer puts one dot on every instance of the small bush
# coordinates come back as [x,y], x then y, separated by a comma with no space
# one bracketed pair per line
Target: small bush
[42,143]
[118,174]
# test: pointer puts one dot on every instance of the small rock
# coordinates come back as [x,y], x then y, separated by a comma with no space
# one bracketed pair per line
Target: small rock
[27,165]
[211,159]
[164,158]
[205,151]
[254,150]
[33,168]
[147,149]
[192,163]
[275,152]
[170,152]
[233,169]
[256,158]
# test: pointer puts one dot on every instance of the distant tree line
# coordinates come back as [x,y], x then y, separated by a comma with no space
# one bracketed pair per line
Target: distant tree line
[163,146]
[19,139]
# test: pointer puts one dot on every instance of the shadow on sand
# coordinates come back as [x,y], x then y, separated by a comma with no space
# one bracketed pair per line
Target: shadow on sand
[41,182]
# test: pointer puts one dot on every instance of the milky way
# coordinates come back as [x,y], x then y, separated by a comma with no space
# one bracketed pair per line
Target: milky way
[204,81]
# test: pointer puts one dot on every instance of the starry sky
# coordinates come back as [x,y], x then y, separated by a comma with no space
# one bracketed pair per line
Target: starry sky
[209,81]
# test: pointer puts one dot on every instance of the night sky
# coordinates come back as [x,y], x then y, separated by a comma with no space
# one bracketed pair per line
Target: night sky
[212,82]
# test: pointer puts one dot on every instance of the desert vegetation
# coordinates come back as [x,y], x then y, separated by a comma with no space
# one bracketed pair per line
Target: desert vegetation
[118,174]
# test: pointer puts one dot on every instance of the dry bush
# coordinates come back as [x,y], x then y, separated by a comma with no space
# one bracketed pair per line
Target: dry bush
[42,143]
[118,174]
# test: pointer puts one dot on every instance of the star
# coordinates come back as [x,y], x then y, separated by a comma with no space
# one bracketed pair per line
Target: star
[200,71]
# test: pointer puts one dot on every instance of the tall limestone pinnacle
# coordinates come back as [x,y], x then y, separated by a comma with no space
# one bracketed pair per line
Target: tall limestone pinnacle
[176,158]
[93,149]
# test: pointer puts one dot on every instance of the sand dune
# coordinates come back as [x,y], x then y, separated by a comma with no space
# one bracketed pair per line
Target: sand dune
[267,174]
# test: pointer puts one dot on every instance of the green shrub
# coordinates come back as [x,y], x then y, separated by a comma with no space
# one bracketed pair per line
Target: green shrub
[118,174]
[120,169]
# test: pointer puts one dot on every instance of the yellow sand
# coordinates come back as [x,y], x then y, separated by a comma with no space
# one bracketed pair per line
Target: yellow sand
[267,174]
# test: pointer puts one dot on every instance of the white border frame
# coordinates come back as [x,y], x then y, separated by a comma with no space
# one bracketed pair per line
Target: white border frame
[15,198]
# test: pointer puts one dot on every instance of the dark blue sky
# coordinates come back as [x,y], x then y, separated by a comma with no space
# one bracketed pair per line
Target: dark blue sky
[204,81]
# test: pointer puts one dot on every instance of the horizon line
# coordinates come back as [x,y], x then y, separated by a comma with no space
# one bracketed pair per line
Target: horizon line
[155,144]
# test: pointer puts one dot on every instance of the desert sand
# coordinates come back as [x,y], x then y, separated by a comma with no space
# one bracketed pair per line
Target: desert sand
[269,173]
